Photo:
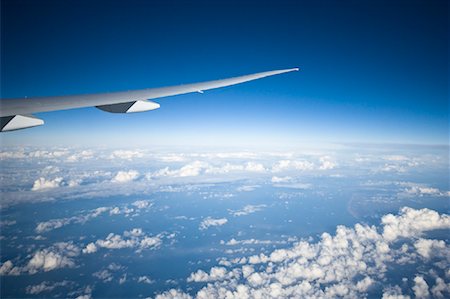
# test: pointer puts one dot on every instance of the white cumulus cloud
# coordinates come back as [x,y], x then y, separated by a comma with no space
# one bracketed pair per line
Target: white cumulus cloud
[346,264]
[125,176]
[207,222]
[43,183]
[248,209]
[412,222]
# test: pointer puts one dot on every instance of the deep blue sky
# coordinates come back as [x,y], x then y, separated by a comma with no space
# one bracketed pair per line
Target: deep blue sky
[372,71]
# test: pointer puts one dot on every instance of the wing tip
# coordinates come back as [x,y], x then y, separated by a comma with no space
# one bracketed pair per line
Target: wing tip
[294,69]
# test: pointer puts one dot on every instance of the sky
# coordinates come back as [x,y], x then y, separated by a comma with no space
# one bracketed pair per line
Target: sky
[371,71]
[331,181]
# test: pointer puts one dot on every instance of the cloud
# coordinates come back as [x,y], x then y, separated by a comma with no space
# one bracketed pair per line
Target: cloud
[123,279]
[285,165]
[393,168]
[216,273]
[254,167]
[103,275]
[413,222]
[346,264]
[43,183]
[150,242]
[60,255]
[396,158]
[46,286]
[173,294]
[173,158]
[415,190]
[106,274]
[234,242]
[7,222]
[82,155]
[114,241]
[326,163]
[394,293]
[52,224]
[440,288]
[125,176]
[276,179]
[247,188]
[288,182]
[134,238]
[207,222]
[248,209]
[8,268]
[90,248]
[431,248]
[191,169]
[126,154]
[197,168]
[420,287]
[145,279]
[142,204]
[49,225]
[22,153]
[302,186]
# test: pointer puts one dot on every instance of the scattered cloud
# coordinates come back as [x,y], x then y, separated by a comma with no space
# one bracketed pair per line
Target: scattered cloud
[234,242]
[60,255]
[285,179]
[247,188]
[125,176]
[432,248]
[104,275]
[208,222]
[107,274]
[326,163]
[412,222]
[173,294]
[216,273]
[248,209]
[80,156]
[173,158]
[254,167]
[43,183]
[46,226]
[46,286]
[145,279]
[420,287]
[346,264]
[416,190]
[7,222]
[285,165]
[134,238]
[142,204]
[90,248]
[126,154]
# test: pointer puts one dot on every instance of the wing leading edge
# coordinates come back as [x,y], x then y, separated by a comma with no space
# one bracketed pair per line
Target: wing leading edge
[116,102]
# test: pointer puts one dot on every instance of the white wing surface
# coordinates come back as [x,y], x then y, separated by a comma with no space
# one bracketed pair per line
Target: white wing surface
[16,113]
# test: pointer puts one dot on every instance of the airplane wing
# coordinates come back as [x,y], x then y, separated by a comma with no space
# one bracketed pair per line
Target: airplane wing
[15,114]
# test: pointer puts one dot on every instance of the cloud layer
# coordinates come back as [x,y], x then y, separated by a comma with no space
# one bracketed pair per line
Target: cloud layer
[350,263]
